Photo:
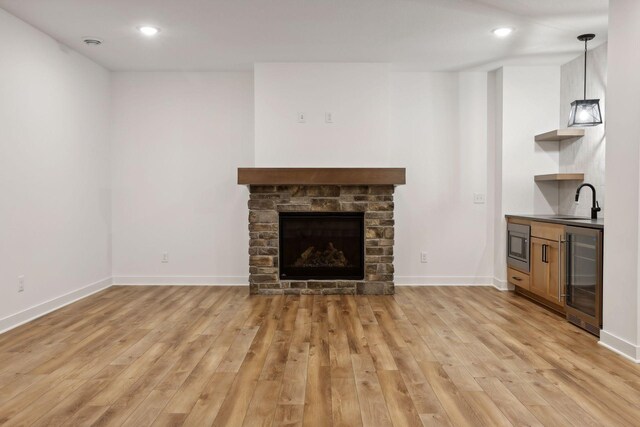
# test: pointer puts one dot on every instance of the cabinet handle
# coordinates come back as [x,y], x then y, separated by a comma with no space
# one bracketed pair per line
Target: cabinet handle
[516,278]
[544,254]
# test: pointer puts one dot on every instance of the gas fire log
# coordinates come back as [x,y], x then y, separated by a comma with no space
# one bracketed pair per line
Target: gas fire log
[330,257]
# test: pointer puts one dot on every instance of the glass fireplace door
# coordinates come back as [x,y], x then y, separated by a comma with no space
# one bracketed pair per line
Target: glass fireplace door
[321,245]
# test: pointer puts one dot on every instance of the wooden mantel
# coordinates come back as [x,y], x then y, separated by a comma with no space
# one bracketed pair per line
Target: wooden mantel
[321,176]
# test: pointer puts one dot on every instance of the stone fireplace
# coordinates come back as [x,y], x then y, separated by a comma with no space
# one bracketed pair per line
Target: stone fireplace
[321,231]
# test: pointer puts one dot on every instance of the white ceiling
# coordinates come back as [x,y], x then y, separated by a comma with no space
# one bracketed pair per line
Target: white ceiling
[234,34]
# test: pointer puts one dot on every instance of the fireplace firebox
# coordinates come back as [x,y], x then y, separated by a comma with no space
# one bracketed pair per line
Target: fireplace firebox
[321,245]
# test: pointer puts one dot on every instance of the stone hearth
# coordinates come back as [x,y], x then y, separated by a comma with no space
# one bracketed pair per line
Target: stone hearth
[267,201]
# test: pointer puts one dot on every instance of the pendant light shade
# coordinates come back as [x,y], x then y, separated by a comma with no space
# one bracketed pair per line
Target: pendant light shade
[585,112]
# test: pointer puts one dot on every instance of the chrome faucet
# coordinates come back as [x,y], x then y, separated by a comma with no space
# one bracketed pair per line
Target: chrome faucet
[595,207]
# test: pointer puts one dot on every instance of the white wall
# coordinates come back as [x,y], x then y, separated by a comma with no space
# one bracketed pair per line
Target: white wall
[54,173]
[531,100]
[434,124]
[526,103]
[356,95]
[438,131]
[494,162]
[178,139]
[621,299]
[587,154]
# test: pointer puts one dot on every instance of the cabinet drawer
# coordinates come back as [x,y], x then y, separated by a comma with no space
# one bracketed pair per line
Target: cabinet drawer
[517,278]
[547,231]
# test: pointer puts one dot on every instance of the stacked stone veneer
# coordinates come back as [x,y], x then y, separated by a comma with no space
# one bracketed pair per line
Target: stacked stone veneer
[265,203]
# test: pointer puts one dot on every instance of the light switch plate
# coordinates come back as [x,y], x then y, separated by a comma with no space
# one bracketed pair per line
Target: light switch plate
[479,198]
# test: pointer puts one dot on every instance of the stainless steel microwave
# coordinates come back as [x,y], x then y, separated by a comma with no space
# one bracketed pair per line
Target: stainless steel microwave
[518,236]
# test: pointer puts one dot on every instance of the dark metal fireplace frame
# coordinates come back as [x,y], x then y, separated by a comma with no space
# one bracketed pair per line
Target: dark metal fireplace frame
[322,273]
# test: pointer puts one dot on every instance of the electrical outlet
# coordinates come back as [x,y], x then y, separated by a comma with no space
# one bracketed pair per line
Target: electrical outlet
[165,257]
[328,117]
[479,198]
[302,117]
[423,257]
[20,283]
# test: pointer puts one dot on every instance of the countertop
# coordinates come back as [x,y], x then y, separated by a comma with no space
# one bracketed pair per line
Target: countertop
[577,222]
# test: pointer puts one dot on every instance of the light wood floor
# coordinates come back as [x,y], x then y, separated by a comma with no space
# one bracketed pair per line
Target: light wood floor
[207,355]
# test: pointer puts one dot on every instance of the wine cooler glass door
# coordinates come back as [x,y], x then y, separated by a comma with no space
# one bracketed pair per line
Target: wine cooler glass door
[584,273]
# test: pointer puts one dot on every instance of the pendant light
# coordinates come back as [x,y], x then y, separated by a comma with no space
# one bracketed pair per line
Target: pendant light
[585,112]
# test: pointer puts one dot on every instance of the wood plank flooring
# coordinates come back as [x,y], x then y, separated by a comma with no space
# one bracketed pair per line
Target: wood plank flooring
[199,356]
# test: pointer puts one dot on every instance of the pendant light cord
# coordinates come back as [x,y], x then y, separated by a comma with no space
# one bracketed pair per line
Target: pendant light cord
[585,69]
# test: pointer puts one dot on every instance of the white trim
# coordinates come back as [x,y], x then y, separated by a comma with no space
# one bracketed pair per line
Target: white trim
[618,345]
[32,313]
[443,281]
[182,280]
[502,285]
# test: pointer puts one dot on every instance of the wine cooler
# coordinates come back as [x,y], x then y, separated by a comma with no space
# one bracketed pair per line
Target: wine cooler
[583,278]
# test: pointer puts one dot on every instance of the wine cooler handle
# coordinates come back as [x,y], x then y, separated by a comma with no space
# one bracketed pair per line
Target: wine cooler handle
[561,292]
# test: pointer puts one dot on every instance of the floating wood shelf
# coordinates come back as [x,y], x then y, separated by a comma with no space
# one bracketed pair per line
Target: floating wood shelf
[560,134]
[321,176]
[560,177]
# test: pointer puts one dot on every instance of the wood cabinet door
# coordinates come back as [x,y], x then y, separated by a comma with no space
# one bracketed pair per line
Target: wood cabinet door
[545,269]
[539,268]
[553,261]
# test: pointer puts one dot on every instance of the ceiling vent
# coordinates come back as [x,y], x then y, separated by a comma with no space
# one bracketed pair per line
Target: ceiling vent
[92,41]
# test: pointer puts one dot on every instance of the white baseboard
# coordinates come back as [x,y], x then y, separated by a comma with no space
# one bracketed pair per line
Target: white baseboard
[618,345]
[244,281]
[502,285]
[182,280]
[46,307]
[443,281]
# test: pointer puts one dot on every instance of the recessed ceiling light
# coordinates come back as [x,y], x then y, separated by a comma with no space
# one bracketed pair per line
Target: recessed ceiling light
[502,31]
[148,30]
